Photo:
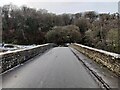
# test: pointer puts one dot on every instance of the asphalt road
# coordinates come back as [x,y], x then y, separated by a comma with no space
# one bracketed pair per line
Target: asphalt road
[57,68]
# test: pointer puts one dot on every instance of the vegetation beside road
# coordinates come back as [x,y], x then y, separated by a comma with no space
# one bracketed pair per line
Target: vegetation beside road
[24,25]
[64,34]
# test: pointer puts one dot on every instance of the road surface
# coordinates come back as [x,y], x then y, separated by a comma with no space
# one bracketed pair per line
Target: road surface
[57,68]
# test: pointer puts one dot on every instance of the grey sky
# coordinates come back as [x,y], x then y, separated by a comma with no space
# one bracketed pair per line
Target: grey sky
[72,6]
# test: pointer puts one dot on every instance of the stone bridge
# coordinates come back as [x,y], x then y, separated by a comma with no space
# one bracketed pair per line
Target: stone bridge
[60,67]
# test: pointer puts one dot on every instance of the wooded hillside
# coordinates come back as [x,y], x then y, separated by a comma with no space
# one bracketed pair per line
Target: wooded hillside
[24,25]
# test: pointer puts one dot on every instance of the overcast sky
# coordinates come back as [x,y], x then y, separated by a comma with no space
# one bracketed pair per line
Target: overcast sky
[68,6]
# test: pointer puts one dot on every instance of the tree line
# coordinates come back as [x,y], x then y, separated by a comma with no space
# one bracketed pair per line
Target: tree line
[25,25]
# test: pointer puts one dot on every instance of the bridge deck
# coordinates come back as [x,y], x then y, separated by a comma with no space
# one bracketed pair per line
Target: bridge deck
[55,69]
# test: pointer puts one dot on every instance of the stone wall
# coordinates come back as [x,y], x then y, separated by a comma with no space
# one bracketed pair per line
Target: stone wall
[17,57]
[108,59]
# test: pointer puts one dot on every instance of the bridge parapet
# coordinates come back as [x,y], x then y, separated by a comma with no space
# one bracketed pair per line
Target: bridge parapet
[17,57]
[107,59]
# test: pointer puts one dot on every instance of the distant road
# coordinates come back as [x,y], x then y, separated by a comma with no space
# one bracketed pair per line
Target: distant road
[57,68]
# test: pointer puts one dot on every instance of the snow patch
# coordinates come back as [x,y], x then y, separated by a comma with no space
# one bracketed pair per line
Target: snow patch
[22,48]
[115,55]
